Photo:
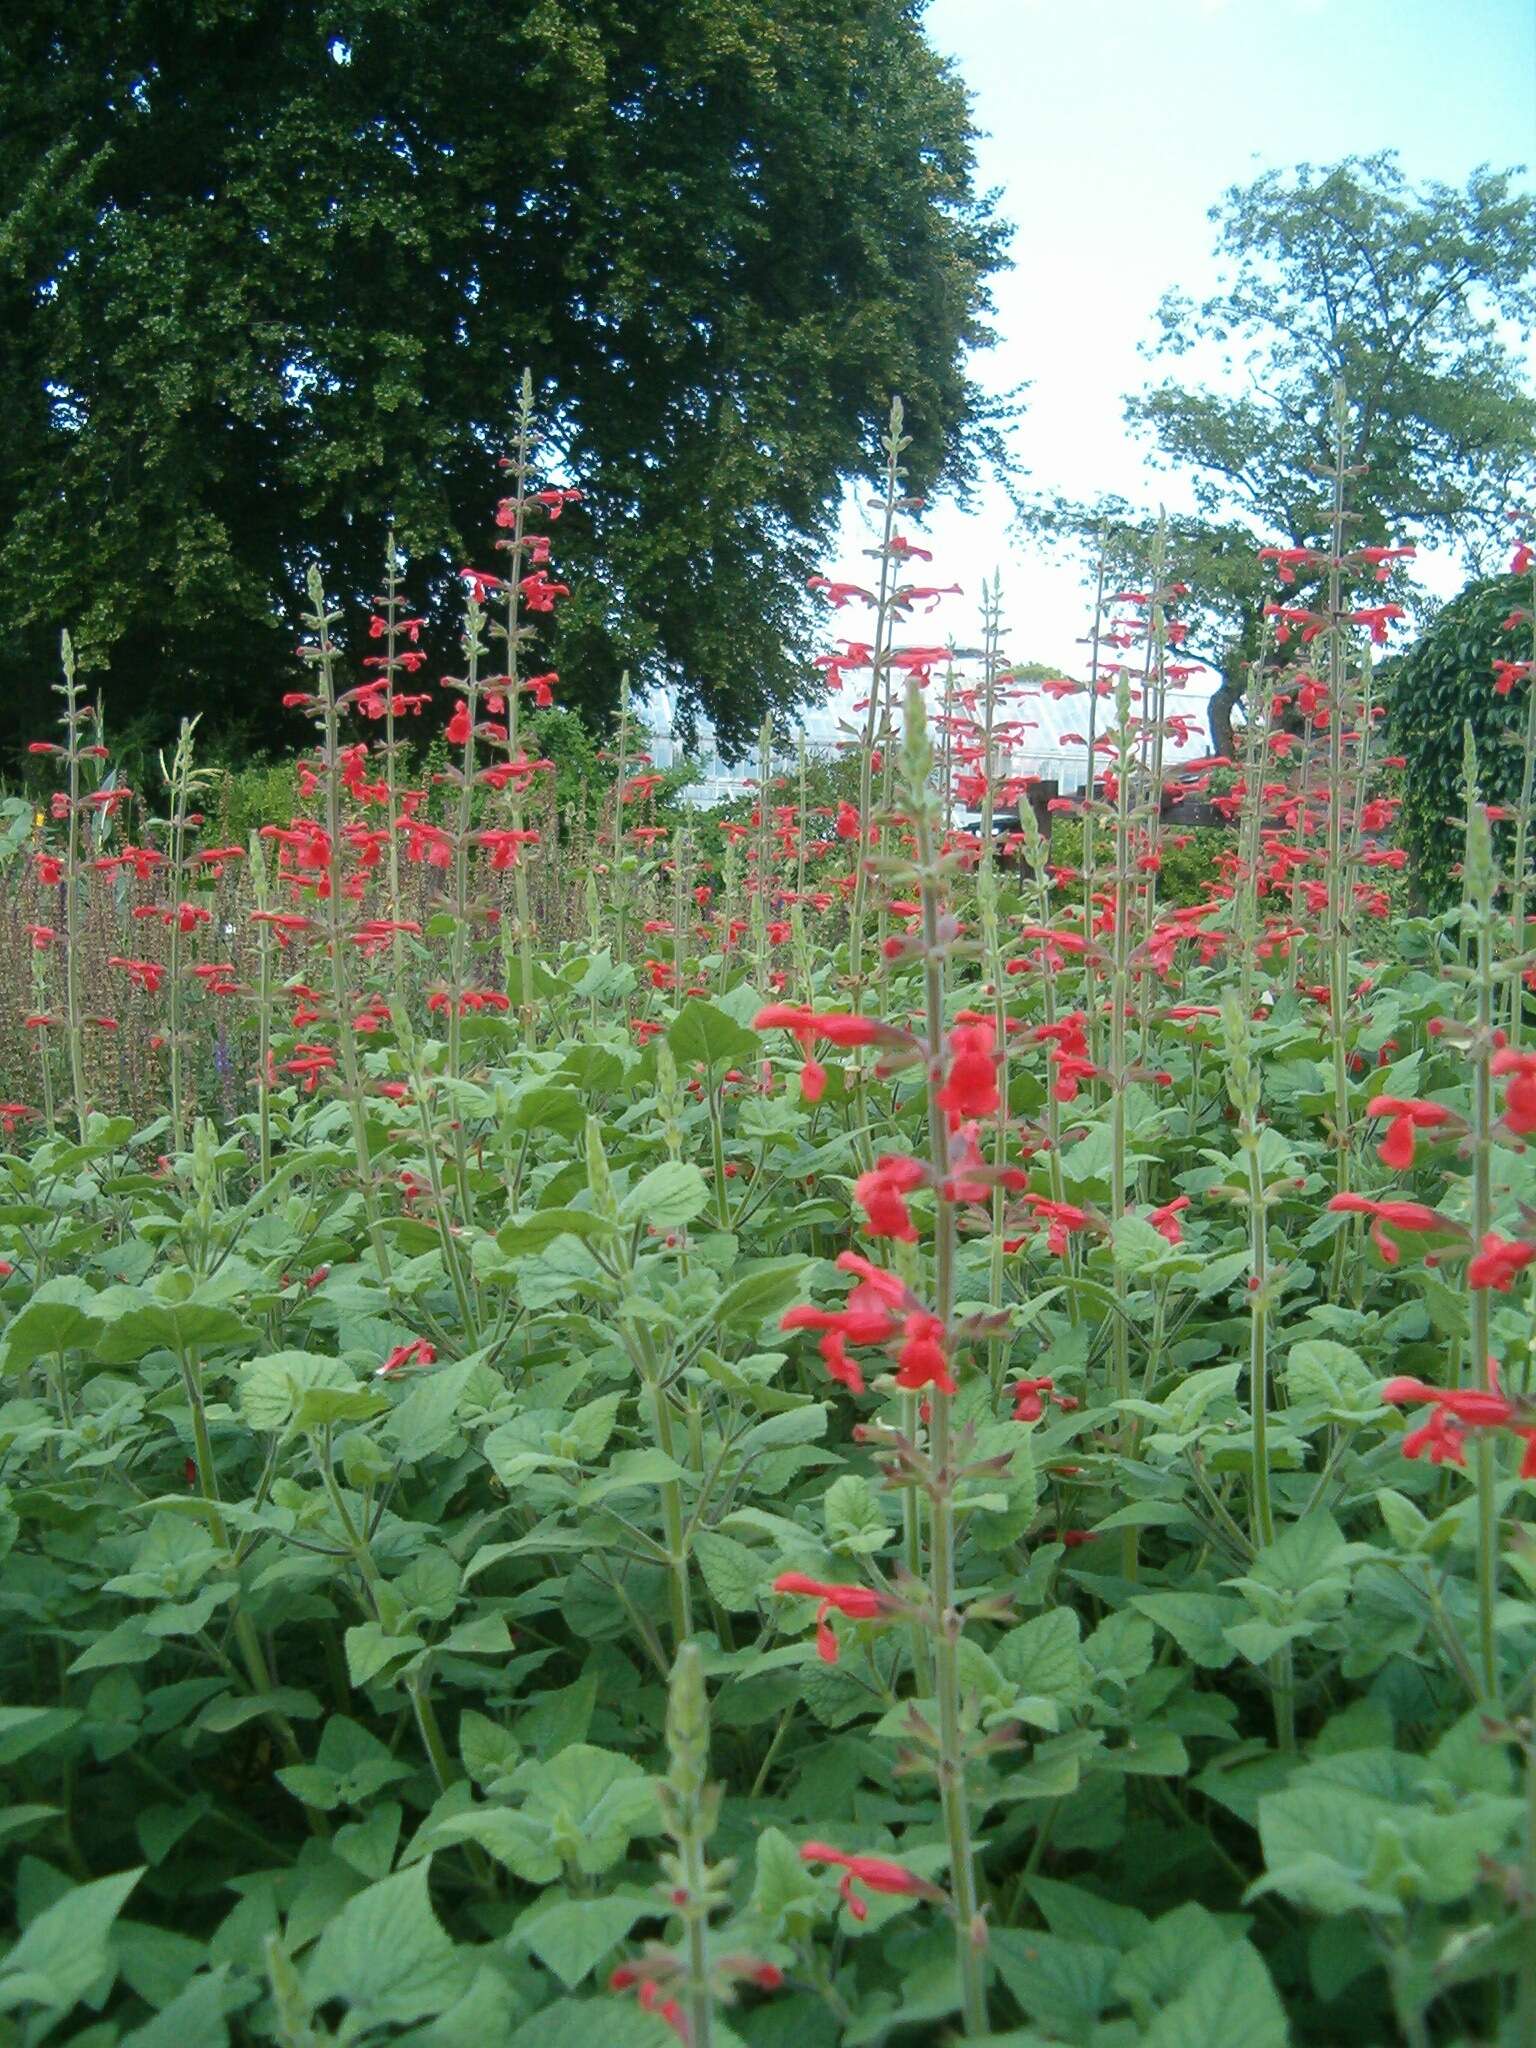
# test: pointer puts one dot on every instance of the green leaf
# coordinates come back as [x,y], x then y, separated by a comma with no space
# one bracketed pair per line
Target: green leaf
[271,1387]
[737,1576]
[386,1957]
[371,1651]
[65,1950]
[1198,1623]
[60,1315]
[580,1808]
[763,1291]
[191,1326]
[1063,1985]
[559,1110]
[572,1936]
[350,1766]
[702,1032]
[1136,1244]
[424,1422]
[23,1729]
[784,1891]
[193,2019]
[532,1233]
[1044,1656]
[1332,1377]
[231,1710]
[585,2022]
[488,1751]
[323,1407]
[669,1195]
[1158,1969]
[369,1845]
[1230,2003]
[855,1522]
[795,1426]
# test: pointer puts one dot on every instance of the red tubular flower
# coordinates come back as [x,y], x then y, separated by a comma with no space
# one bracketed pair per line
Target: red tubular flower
[1497,1261]
[807,1026]
[309,1063]
[1377,617]
[418,1353]
[1520,1095]
[1413,1216]
[858,1603]
[539,593]
[881,1194]
[1165,1221]
[651,1993]
[1064,1219]
[1454,1411]
[875,1873]
[970,1082]
[1408,1116]
[839,594]
[922,1360]
[1029,1399]
[148,974]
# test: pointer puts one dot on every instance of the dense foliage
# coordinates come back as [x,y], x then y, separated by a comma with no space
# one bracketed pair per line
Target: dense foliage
[271,269]
[1440,685]
[475,1571]
[1414,303]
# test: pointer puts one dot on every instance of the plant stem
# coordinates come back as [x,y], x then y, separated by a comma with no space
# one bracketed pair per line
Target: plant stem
[947,1619]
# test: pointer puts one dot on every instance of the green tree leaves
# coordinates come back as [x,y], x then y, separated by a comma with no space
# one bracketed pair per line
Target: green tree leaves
[269,284]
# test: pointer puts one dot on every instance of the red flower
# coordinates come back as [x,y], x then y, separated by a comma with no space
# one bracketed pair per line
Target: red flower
[922,1360]
[1029,1398]
[149,974]
[807,1026]
[539,593]
[1376,616]
[970,1083]
[875,1873]
[881,1194]
[1414,1216]
[1165,1221]
[309,1063]
[420,1352]
[650,1992]
[1453,1411]
[858,1603]
[839,594]
[1408,1116]
[1520,1096]
[1064,1219]
[1497,1261]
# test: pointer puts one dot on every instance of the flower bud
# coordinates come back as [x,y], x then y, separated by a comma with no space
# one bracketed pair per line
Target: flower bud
[688,1725]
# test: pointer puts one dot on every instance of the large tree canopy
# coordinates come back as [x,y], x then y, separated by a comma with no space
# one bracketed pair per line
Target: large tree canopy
[270,271]
[1416,300]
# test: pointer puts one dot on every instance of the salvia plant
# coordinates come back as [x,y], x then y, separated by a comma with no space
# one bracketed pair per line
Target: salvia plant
[825,1427]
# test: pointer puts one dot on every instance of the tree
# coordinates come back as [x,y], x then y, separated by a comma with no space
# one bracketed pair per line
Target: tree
[1413,298]
[270,271]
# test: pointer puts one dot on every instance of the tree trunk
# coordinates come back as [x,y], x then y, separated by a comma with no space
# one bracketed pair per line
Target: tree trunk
[1223,703]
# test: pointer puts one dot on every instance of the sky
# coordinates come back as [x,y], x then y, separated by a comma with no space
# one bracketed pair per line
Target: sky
[1111,127]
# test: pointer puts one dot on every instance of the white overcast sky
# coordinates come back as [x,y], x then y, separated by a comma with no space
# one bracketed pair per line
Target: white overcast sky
[1111,127]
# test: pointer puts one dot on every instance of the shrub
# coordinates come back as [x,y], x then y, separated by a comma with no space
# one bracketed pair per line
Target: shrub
[1443,682]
